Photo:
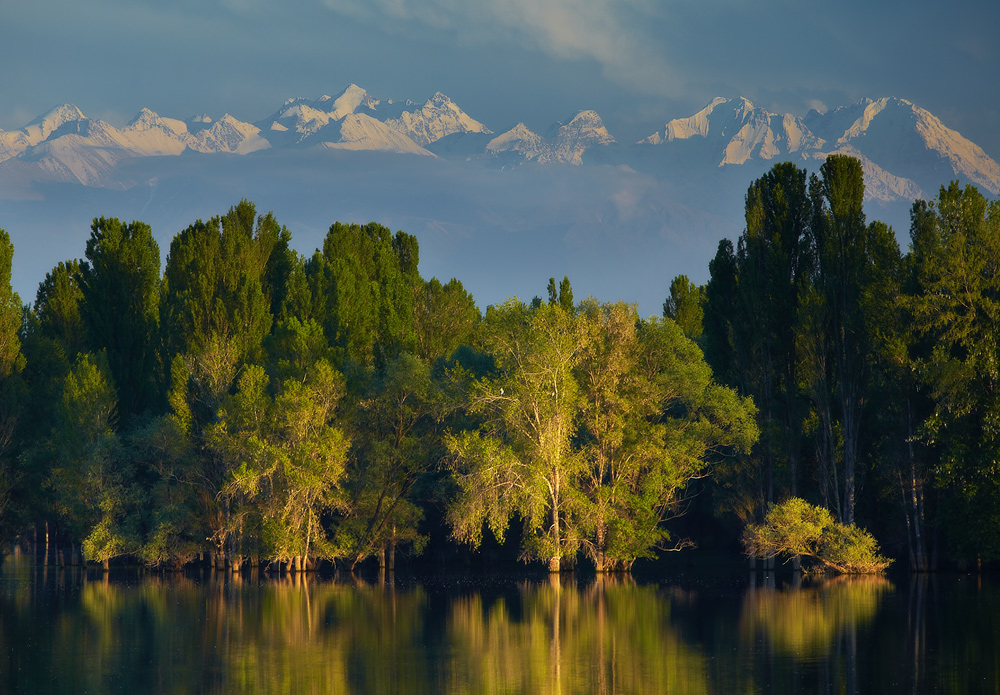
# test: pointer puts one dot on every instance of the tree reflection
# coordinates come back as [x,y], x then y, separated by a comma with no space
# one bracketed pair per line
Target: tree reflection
[817,626]
[609,637]
[67,631]
[807,622]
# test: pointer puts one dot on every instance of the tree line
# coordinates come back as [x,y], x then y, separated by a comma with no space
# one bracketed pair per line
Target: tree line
[251,405]
[248,405]
[875,372]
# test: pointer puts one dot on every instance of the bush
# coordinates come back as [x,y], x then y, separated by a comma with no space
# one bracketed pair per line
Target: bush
[796,527]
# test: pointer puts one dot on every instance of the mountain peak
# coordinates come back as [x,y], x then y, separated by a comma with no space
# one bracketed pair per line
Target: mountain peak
[350,100]
[54,118]
[144,119]
[584,130]
[439,117]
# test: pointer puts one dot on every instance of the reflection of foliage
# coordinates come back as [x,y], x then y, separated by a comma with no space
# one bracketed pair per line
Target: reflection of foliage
[807,621]
[611,637]
[796,527]
[301,635]
[65,631]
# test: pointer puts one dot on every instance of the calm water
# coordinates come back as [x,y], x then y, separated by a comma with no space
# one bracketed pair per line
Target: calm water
[73,632]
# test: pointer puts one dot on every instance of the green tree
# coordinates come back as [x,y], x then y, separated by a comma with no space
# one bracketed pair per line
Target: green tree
[368,278]
[955,243]
[752,302]
[563,296]
[287,456]
[221,281]
[650,418]
[685,306]
[398,445]
[120,284]
[173,524]
[57,307]
[93,482]
[217,300]
[521,463]
[12,363]
[445,317]
[843,250]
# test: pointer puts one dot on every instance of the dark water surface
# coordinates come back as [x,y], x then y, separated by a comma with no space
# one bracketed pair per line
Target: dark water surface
[70,631]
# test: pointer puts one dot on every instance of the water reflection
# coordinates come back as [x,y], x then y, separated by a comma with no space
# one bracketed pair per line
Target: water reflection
[809,621]
[64,630]
[609,637]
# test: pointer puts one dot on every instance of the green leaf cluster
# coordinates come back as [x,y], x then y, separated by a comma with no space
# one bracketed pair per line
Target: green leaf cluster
[797,528]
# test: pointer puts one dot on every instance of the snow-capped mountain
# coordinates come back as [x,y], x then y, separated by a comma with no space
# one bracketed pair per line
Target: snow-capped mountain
[902,137]
[739,131]
[567,142]
[14,142]
[359,131]
[436,119]
[356,120]
[87,151]
[906,152]
[299,119]
[572,140]
[521,142]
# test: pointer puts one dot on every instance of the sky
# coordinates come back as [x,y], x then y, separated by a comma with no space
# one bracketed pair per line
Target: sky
[639,63]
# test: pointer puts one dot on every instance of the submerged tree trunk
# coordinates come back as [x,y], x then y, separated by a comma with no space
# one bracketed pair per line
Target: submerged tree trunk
[556,533]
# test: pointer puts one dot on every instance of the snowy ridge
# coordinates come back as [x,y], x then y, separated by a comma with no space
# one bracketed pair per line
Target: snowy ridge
[572,140]
[438,118]
[14,142]
[87,151]
[518,140]
[359,131]
[567,142]
[740,132]
[684,128]
[905,150]
[299,119]
[229,134]
[350,100]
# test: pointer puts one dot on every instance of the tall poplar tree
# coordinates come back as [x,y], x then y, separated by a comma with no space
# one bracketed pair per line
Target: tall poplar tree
[752,301]
[120,286]
[843,244]
[12,362]
[369,278]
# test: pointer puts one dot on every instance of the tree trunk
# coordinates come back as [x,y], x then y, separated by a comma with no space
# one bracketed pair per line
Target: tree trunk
[916,501]
[556,535]
[600,563]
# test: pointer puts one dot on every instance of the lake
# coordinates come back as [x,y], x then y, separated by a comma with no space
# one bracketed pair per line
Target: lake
[73,630]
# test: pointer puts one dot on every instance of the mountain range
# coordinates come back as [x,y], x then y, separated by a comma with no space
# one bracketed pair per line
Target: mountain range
[580,198]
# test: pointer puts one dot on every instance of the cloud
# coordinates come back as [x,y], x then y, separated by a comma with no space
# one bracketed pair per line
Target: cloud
[610,32]
[818,105]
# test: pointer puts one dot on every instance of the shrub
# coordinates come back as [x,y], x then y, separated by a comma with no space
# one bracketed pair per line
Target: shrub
[796,527]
